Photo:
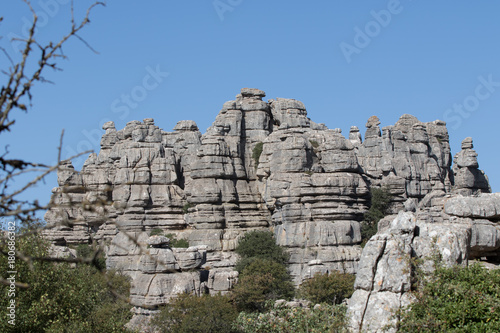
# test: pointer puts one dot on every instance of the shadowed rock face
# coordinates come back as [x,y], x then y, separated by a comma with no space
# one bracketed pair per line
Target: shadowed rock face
[309,184]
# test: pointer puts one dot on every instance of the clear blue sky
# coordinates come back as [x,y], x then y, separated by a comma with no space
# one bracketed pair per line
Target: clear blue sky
[346,60]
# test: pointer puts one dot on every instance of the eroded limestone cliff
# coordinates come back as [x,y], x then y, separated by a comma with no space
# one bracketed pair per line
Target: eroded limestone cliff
[266,165]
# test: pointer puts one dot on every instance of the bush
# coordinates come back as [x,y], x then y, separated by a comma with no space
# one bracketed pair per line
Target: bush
[185,208]
[263,271]
[455,299]
[326,318]
[315,144]
[330,289]
[191,313]
[259,244]
[61,297]
[156,232]
[87,251]
[262,281]
[380,202]
[174,242]
[256,152]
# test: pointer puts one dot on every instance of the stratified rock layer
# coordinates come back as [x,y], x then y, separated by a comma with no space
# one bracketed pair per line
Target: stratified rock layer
[261,165]
[452,229]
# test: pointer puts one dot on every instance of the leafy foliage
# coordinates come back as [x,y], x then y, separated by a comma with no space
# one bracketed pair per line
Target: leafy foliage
[380,202]
[259,244]
[190,314]
[325,318]
[62,298]
[263,272]
[328,288]
[256,152]
[92,252]
[456,299]
[185,208]
[174,242]
[156,232]
[263,280]
[315,144]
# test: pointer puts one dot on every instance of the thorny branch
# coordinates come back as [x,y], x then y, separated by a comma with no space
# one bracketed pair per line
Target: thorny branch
[15,94]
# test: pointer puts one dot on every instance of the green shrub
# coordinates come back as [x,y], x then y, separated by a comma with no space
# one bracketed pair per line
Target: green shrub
[174,242]
[326,318]
[380,202]
[315,144]
[185,208]
[257,151]
[259,244]
[87,251]
[456,299]
[328,288]
[191,313]
[156,232]
[263,271]
[262,281]
[61,297]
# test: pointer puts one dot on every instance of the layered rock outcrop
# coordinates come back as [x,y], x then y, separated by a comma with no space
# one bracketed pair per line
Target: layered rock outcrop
[452,230]
[468,179]
[261,165]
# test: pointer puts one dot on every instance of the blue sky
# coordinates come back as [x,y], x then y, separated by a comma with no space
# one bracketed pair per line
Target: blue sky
[346,60]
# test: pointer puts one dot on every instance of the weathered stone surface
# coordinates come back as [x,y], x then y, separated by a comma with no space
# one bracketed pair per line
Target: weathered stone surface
[468,178]
[484,206]
[310,185]
[158,241]
[407,149]
[448,228]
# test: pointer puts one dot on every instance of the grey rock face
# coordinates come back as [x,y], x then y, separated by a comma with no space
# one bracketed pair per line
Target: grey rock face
[401,152]
[483,206]
[469,180]
[451,228]
[309,184]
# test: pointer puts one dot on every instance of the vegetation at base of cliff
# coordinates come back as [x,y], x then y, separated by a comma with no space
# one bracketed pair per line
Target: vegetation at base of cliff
[256,152]
[61,297]
[262,281]
[264,275]
[380,202]
[324,318]
[330,288]
[456,299]
[88,251]
[190,313]
[259,244]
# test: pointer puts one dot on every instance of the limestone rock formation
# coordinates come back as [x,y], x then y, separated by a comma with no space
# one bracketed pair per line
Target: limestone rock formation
[469,179]
[454,229]
[261,165]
